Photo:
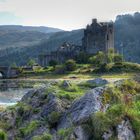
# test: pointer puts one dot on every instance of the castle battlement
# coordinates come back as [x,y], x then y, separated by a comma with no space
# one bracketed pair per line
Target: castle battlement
[98,36]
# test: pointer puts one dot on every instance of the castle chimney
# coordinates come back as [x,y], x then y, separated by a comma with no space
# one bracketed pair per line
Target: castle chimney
[94,20]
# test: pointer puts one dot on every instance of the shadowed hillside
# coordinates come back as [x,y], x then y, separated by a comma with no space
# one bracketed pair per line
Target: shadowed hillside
[19,44]
[22,55]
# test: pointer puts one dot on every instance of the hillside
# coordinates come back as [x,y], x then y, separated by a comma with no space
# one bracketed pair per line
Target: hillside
[23,43]
[15,38]
[22,55]
[20,28]
[127,33]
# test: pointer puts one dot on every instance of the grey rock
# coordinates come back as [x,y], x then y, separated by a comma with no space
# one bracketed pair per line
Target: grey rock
[125,131]
[66,84]
[107,135]
[53,104]
[82,109]
[80,133]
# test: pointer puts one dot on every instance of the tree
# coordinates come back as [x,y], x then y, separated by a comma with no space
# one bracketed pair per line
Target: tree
[118,58]
[53,63]
[31,62]
[82,57]
[98,59]
[70,65]
[110,55]
[14,65]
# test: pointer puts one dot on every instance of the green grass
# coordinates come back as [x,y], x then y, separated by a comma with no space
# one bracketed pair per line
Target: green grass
[86,71]
[3,135]
[27,130]
[45,136]
[124,103]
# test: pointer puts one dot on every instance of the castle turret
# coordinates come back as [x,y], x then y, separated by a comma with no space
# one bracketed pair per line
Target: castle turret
[99,36]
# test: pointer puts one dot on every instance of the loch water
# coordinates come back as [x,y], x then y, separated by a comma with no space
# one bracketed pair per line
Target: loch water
[11,91]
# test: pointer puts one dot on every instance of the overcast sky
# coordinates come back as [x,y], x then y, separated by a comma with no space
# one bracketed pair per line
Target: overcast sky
[64,14]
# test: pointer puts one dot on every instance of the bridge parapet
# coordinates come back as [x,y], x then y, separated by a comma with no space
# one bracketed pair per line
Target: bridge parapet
[9,72]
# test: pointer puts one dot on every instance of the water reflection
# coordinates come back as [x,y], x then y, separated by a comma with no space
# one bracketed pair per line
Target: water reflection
[11,91]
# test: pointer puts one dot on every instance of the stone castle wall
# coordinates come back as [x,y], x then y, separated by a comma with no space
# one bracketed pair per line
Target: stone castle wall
[99,36]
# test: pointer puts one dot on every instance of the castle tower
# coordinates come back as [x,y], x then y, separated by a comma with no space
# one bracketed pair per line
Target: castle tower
[99,36]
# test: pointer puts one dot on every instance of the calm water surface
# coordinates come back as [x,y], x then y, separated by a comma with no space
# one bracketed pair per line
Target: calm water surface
[11,91]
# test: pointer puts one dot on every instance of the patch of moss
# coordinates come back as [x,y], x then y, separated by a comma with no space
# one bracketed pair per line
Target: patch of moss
[3,135]
[27,130]
[53,118]
[45,136]
[65,133]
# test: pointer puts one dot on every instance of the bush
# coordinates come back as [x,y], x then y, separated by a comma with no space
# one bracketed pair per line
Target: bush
[60,69]
[29,128]
[70,65]
[3,135]
[97,59]
[118,58]
[53,63]
[100,124]
[82,58]
[65,133]
[53,118]
[45,136]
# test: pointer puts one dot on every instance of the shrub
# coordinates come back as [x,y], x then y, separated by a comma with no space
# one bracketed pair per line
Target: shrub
[65,133]
[70,65]
[3,135]
[29,128]
[82,58]
[60,69]
[98,59]
[53,63]
[100,124]
[31,62]
[53,118]
[118,58]
[45,136]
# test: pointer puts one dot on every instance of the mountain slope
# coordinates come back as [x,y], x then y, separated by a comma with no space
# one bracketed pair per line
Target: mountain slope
[22,55]
[19,44]
[127,36]
[20,28]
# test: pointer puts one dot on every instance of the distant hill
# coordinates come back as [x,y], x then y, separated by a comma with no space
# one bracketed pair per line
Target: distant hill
[14,38]
[23,54]
[127,36]
[20,43]
[20,28]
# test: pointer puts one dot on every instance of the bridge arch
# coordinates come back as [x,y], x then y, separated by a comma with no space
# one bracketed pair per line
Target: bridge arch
[2,74]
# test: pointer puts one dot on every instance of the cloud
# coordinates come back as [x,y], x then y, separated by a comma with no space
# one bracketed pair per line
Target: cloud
[7,18]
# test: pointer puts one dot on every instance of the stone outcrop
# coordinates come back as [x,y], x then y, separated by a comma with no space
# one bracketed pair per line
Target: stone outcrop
[125,131]
[82,109]
[55,114]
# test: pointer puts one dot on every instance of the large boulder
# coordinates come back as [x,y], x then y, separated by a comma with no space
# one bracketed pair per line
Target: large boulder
[53,104]
[82,109]
[66,84]
[125,131]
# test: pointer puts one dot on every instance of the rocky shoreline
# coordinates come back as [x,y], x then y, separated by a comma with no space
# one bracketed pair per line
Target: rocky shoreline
[42,114]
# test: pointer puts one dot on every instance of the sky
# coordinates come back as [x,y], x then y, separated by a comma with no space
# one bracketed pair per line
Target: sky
[63,14]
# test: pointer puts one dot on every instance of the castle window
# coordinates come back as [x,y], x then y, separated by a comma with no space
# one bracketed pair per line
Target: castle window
[107,37]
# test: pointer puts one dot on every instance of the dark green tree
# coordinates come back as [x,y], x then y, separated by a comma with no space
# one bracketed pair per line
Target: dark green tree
[31,62]
[53,63]
[98,59]
[70,65]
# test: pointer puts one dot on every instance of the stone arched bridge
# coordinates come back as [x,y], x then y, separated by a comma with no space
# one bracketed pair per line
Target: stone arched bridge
[9,72]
